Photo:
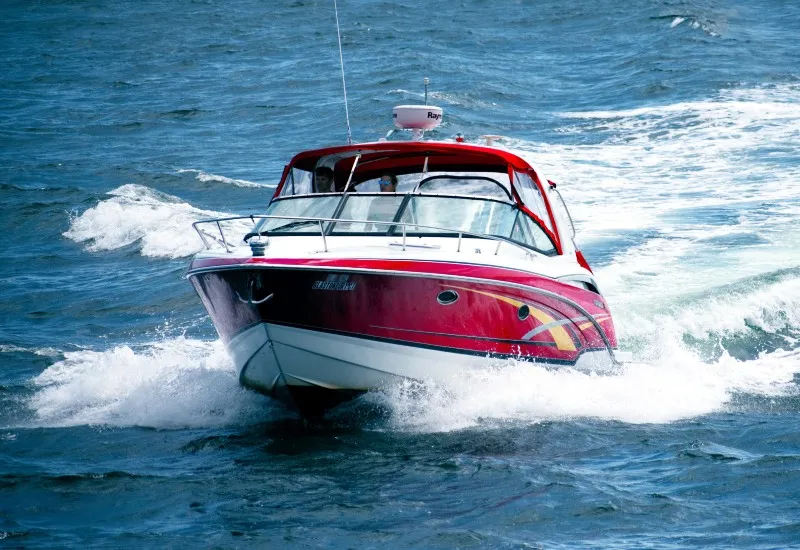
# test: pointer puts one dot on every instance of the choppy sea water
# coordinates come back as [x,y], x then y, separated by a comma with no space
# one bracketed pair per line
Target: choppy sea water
[673,129]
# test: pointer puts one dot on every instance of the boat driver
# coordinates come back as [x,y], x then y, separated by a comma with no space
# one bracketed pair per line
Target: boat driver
[323,178]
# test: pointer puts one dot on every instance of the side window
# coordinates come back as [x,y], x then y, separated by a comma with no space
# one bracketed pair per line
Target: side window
[527,231]
[532,197]
[298,182]
[562,212]
[304,207]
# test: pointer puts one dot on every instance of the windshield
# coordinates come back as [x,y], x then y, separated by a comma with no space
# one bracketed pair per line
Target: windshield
[422,215]
[459,214]
[323,206]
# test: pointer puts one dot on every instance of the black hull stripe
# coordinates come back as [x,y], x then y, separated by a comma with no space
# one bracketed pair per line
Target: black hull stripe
[481,338]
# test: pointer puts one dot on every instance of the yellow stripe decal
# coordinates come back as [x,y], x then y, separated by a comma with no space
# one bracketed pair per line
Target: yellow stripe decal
[598,318]
[560,335]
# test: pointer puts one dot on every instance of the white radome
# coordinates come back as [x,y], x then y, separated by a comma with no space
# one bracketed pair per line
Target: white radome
[417,117]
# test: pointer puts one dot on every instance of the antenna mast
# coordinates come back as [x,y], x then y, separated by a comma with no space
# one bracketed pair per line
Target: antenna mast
[341,63]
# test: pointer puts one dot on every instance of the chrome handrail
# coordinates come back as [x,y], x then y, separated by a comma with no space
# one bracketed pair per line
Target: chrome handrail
[321,220]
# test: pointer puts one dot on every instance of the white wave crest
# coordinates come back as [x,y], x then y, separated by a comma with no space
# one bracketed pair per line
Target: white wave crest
[44,352]
[160,223]
[172,384]
[205,178]
[676,388]
[680,175]
[677,21]
[771,308]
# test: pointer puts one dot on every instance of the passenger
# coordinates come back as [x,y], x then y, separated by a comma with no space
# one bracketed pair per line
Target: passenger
[380,209]
[388,183]
[323,179]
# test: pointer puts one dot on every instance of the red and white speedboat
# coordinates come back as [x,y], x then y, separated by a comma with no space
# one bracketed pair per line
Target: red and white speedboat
[336,291]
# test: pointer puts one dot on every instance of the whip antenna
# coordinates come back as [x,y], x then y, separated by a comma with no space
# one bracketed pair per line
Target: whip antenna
[341,63]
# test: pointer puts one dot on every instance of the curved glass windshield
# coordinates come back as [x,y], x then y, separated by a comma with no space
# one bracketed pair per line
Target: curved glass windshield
[421,214]
[323,206]
[375,208]
[458,214]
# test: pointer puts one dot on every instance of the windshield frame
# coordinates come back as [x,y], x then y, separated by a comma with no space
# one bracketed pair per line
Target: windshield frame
[395,230]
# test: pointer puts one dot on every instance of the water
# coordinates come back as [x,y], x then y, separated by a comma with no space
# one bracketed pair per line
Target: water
[673,129]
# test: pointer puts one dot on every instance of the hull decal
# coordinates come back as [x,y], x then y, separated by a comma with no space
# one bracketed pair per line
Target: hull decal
[598,318]
[575,320]
[561,337]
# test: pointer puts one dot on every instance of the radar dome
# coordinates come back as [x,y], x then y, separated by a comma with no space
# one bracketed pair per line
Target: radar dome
[417,117]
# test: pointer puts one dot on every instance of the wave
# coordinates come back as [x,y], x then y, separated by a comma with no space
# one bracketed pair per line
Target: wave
[453,99]
[213,178]
[745,319]
[159,223]
[176,383]
[182,383]
[672,389]
[686,171]
[711,28]
[43,352]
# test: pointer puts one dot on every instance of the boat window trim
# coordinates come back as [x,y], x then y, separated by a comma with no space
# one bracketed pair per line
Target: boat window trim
[521,209]
[547,204]
[418,188]
[518,208]
[393,229]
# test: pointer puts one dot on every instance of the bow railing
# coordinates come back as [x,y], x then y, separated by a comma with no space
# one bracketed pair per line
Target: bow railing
[321,223]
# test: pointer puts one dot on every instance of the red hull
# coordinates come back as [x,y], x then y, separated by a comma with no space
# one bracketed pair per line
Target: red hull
[480,310]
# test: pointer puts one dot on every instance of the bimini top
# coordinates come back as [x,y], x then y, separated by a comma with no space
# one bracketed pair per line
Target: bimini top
[398,153]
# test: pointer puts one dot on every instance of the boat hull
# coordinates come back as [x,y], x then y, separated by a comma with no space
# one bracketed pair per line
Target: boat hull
[314,335]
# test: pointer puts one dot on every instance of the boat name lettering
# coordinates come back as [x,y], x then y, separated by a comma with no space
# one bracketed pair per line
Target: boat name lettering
[434,116]
[335,282]
[333,285]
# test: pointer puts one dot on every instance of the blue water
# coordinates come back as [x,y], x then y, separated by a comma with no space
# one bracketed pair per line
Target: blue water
[673,128]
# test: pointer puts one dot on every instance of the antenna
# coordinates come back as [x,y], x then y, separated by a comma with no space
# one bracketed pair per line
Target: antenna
[426,81]
[341,62]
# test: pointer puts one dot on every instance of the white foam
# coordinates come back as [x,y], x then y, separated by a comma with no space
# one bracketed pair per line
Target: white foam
[160,223]
[673,389]
[205,178]
[654,169]
[171,384]
[45,352]
[677,21]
